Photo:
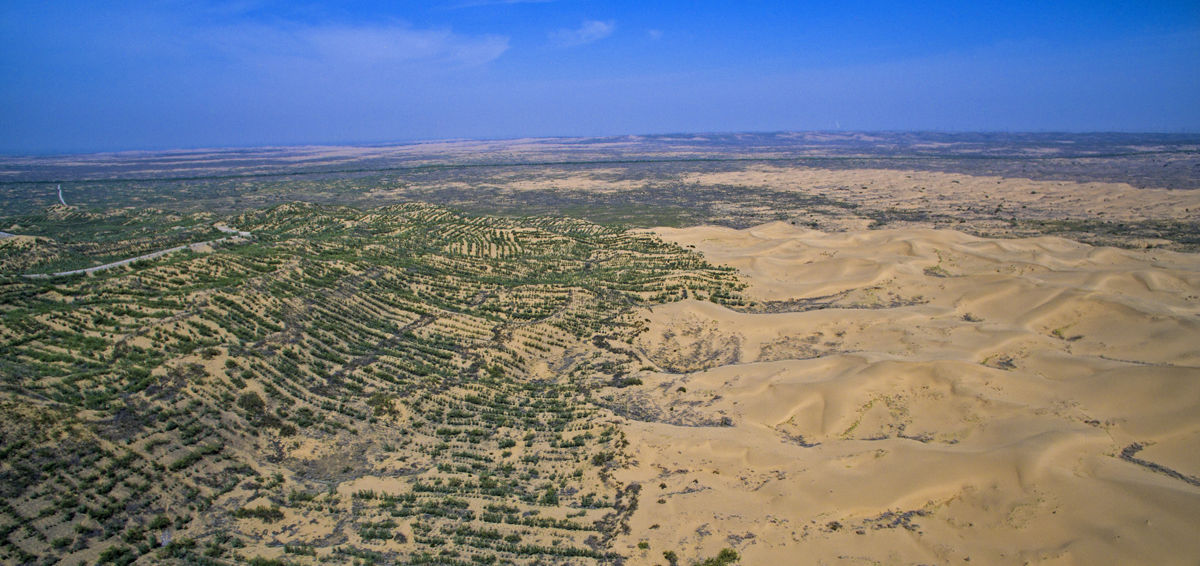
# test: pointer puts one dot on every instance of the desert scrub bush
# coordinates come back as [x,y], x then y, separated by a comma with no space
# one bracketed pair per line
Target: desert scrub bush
[726,557]
[602,458]
[119,555]
[194,456]
[260,561]
[262,512]
[381,530]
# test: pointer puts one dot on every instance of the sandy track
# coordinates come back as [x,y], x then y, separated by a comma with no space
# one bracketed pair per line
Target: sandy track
[1002,401]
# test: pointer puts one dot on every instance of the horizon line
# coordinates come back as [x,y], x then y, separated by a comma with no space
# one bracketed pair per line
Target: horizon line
[424,141]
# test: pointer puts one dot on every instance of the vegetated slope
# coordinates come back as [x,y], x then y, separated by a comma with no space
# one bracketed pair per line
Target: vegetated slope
[922,397]
[399,385]
[62,238]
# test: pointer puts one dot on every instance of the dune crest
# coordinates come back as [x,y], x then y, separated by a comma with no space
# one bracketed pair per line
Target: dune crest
[922,396]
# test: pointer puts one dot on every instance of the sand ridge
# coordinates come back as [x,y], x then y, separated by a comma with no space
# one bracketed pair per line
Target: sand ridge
[923,396]
[960,194]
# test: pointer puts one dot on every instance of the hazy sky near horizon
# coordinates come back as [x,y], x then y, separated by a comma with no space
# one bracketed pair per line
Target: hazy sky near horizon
[99,76]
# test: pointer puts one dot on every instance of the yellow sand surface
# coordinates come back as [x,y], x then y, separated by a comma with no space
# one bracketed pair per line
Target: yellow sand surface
[922,396]
[953,193]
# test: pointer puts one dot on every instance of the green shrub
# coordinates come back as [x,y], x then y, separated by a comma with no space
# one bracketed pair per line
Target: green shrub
[120,555]
[262,512]
[726,557]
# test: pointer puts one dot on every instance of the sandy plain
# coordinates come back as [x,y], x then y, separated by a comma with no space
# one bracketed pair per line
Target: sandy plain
[923,396]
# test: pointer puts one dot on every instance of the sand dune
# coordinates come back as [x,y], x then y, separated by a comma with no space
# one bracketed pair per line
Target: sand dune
[923,396]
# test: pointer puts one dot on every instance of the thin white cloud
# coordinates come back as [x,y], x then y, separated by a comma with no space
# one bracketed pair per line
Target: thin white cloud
[588,32]
[352,45]
[401,43]
[655,34]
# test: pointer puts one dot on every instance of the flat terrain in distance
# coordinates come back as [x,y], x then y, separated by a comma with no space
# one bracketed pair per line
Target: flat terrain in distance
[988,184]
[832,348]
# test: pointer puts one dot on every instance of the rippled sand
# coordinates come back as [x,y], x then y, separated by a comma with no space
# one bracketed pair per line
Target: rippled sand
[922,396]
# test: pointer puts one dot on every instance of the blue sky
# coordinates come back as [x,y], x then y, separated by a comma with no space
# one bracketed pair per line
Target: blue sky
[97,76]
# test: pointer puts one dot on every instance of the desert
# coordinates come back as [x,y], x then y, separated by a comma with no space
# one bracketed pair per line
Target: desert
[668,355]
[578,283]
